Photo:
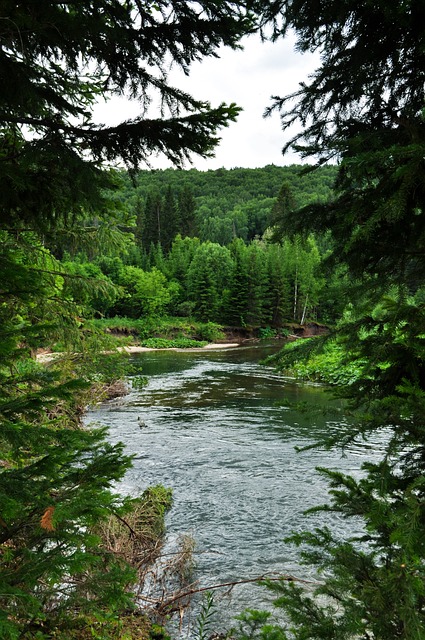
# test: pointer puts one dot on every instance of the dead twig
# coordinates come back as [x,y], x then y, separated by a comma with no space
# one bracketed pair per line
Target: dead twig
[230,585]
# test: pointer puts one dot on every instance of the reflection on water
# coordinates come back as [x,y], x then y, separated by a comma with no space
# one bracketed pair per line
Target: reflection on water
[221,430]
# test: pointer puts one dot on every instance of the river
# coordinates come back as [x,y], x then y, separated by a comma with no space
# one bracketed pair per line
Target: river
[221,430]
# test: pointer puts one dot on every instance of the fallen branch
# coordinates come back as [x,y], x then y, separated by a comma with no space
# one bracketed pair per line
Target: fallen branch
[235,583]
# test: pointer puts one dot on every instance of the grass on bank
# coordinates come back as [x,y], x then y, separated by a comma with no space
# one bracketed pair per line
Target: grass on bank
[167,328]
[177,343]
[157,333]
[316,360]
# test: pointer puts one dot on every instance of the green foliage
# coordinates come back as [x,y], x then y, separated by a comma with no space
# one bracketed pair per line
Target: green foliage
[146,293]
[253,626]
[157,632]
[165,216]
[138,292]
[373,585]
[138,382]
[327,362]
[262,283]
[176,343]
[204,620]
[242,285]
[210,331]
[169,328]
[58,578]
[60,488]
[364,105]
[284,205]
[88,287]
[265,333]
[152,507]
[207,276]
[227,203]
[61,117]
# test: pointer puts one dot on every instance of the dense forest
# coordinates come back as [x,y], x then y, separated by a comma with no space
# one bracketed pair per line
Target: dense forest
[85,247]
[219,205]
[242,278]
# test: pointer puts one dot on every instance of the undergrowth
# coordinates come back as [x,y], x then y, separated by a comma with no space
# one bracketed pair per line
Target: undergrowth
[177,343]
[318,361]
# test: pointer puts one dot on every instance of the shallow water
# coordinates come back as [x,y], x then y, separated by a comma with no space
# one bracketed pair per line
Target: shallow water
[221,430]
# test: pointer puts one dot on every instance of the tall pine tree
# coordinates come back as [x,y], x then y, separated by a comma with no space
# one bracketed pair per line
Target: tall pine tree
[364,105]
[56,479]
[186,206]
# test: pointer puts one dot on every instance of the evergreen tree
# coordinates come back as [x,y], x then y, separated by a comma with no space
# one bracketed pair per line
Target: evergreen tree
[283,206]
[180,258]
[208,278]
[257,284]
[156,257]
[217,229]
[56,479]
[49,50]
[277,286]
[176,269]
[152,220]
[257,211]
[88,288]
[140,221]
[186,206]
[364,105]
[170,219]
[237,301]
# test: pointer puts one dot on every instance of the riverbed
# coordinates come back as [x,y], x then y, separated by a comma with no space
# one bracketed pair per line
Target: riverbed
[221,430]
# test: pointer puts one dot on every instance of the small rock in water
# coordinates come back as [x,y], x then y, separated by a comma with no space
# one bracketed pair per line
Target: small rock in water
[141,423]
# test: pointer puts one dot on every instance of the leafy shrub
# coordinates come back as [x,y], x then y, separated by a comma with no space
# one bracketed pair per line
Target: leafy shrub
[210,331]
[264,333]
[318,362]
[177,343]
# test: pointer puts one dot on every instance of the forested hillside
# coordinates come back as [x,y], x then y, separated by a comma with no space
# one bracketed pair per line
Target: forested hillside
[205,245]
[218,205]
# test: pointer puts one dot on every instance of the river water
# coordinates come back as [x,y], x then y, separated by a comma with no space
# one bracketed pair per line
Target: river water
[221,430]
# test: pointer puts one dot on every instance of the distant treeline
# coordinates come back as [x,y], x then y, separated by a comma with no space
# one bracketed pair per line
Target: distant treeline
[208,245]
[217,206]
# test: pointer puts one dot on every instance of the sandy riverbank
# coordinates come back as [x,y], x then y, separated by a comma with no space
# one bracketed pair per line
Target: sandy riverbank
[213,345]
[48,357]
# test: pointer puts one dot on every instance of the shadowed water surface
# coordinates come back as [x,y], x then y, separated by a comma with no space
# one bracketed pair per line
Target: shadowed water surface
[216,434]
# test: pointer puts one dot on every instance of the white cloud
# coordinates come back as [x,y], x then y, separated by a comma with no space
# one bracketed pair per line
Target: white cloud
[248,77]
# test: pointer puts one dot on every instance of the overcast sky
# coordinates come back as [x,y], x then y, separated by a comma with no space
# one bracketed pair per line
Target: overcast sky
[248,78]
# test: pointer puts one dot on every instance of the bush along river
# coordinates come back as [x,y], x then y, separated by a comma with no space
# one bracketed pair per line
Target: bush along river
[221,429]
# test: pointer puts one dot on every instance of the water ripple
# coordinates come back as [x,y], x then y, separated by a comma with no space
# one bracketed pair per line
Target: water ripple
[216,436]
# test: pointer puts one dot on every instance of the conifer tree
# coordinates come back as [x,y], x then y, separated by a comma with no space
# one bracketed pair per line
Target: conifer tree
[277,286]
[282,207]
[186,206]
[257,284]
[61,61]
[156,257]
[180,258]
[152,220]
[364,106]
[208,277]
[56,479]
[237,301]
[170,219]
[140,221]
